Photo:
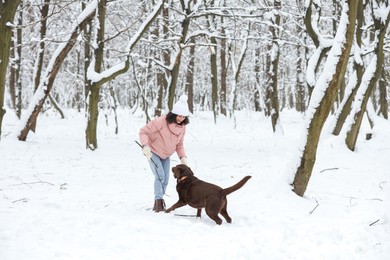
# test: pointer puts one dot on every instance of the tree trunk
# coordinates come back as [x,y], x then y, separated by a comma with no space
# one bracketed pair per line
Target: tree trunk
[41,50]
[272,71]
[190,76]
[326,90]
[300,103]
[321,48]
[87,34]
[18,71]
[163,80]
[300,92]
[46,85]
[383,103]
[355,79]
[223,92]
[94,87]
[7,14]
[257,71]
[12,72]
[370,78]
[56,106]
[93,114]
[176,66]
[214,77]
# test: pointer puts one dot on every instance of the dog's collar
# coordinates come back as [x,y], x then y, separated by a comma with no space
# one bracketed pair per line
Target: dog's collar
[182,178]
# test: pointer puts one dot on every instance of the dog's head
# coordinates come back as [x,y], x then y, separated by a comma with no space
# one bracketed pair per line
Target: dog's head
[181,170]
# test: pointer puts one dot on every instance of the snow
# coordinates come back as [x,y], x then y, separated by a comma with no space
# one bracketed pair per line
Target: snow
[138,34]
[94,76]
[61,201]
[381,11]
[43,85]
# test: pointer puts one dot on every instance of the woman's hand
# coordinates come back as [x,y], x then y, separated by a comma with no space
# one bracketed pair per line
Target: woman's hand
[147,152]
[183,160]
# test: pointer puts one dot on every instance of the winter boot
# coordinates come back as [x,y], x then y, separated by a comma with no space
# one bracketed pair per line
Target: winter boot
[160,205]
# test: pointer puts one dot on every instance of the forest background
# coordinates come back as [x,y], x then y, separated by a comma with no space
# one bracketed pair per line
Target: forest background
[316,57]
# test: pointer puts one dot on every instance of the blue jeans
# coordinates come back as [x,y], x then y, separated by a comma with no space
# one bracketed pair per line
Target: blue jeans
[161,174]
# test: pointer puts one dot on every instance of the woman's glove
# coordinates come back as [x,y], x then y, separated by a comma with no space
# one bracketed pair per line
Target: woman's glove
[183,160]
[147,152]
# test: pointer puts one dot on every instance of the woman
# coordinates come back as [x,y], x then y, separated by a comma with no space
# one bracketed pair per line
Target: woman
[160,138]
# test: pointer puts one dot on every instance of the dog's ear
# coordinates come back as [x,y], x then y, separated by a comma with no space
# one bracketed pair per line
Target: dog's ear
[192,173]
[186,170]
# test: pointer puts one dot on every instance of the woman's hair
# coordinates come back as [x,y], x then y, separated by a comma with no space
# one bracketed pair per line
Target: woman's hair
[171,118]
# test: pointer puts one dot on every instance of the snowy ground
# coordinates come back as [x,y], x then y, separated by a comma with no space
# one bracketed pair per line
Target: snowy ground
[61,201]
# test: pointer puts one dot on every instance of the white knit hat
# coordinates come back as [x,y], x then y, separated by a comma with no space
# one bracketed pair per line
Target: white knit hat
[181,107]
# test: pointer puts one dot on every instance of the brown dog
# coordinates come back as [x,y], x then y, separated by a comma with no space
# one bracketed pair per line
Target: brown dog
[199,194]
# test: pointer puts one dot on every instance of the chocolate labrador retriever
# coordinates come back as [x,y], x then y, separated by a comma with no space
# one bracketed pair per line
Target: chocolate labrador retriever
[200,194]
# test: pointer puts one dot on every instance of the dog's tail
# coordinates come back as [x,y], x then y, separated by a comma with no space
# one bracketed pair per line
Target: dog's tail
[236,186]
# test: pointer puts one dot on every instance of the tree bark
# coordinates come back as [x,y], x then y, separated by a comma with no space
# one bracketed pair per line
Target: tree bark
[87,34]
[272,70]
[330,79]
[12,72]
[41,50]
[176,66]
[300,95]
[224,68]
[358,67]
[369,79]
[383,103]
[190,76]
[46,85]
[163,73]
[214,77]
[7,14]
[320,51]
[257,71]
[18,72]
[94,87]
[93,110]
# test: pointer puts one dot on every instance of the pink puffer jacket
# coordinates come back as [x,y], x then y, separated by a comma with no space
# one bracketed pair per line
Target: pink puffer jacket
[163,138]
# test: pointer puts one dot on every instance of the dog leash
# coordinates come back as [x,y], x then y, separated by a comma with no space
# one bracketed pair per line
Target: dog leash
[150,158]
[183,215]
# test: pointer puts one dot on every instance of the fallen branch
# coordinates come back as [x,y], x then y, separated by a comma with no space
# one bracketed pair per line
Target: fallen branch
[34,182]
[380,184]
[330,169]
[22,200]
[373,223]
[311,212]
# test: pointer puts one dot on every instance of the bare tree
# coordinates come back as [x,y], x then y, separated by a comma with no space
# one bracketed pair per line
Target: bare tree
[94,86]
[51,72]
[98,78]
[163,73]
[7,14]
[321,43]
[355,77]
[41,51]
[185,24]
[300,92]
[17,62]
[272,101]
[325,93]
[372,73]
[189,88]
[224,69]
